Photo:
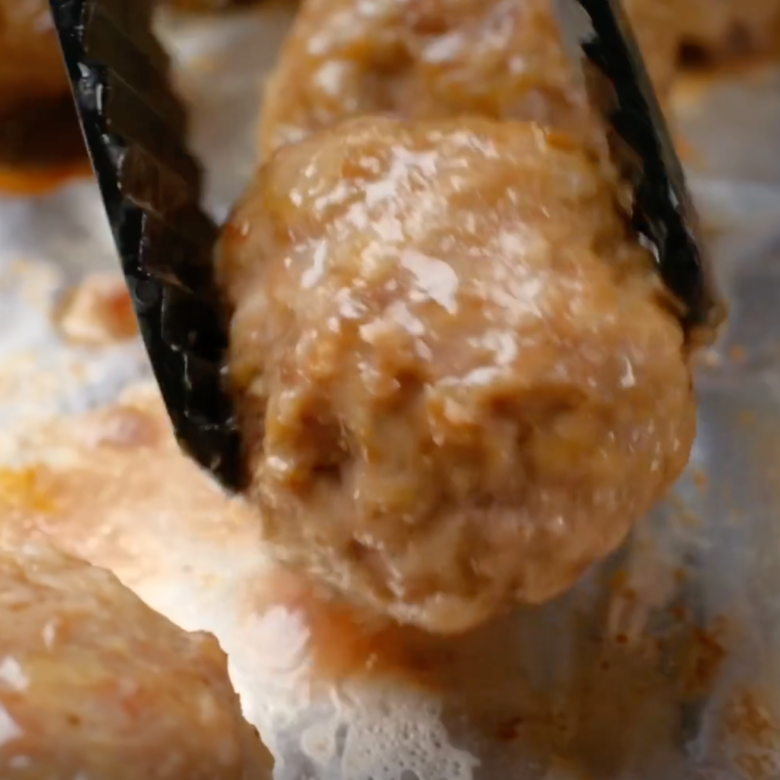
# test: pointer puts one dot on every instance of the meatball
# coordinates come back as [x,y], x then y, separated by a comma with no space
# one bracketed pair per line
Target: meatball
[95,684]
[197,6]
[455,369]
[723,27]
[38,126]
[31,66]
[438,58]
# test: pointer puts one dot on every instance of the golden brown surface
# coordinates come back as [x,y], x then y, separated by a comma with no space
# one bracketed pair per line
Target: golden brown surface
[30,67]
[38,127]
[95,684]
[723,27]
[206,5]
[438,58]
[497,58]
[455,367]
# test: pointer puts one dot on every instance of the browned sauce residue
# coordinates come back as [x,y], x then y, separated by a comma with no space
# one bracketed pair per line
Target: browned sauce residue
[29,182]
[749,723]
[346,643]
[25,489]
[700,479]
[97,312]
[706,653]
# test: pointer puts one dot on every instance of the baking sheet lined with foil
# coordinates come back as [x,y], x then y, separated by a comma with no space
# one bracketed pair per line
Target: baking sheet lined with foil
[660,665]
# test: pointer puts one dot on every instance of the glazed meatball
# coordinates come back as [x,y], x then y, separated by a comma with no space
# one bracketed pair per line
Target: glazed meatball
[438,58]
[458,378]
[94,684]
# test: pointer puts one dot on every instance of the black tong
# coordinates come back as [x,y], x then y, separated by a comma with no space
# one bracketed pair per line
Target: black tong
[603,47]
[151,187]
[134,128]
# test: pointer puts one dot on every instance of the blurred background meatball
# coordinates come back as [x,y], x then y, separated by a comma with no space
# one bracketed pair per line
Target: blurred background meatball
[37,122]
[207,5]
[94,684]
[458,377]
[437,58]
[497,58]
[39,133]
[720,28]
[30,68]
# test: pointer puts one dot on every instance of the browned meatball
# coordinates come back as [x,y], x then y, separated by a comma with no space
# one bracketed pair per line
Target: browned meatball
[453,364]
[31,66]
[206,5]
[94,684]
[38,126]
[722,27]
[437,58]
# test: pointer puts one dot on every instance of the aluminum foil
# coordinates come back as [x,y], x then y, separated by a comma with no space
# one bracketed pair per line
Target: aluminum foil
[663,664]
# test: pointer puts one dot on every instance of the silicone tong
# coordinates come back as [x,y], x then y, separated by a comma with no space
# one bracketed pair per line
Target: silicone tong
[602,46]
[134,128]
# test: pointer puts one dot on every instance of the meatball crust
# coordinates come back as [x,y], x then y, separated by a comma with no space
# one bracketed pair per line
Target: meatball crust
[95,684]
[438,58]
[455,369]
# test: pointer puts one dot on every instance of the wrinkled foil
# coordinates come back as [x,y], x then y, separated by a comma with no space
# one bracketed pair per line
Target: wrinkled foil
[663,664]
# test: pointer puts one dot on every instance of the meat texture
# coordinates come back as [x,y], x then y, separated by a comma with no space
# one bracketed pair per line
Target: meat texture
[458,376]
[439,58]
[496,58]
[94,684]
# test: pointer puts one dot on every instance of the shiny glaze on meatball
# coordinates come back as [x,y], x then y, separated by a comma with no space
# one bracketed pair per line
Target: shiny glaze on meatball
[454,365]
[439,58]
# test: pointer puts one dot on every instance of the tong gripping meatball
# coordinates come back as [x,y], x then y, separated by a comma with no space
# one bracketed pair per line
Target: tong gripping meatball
[455,369]
[94,684]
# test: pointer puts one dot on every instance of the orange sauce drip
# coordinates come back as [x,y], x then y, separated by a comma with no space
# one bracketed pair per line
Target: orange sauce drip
[24,490]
